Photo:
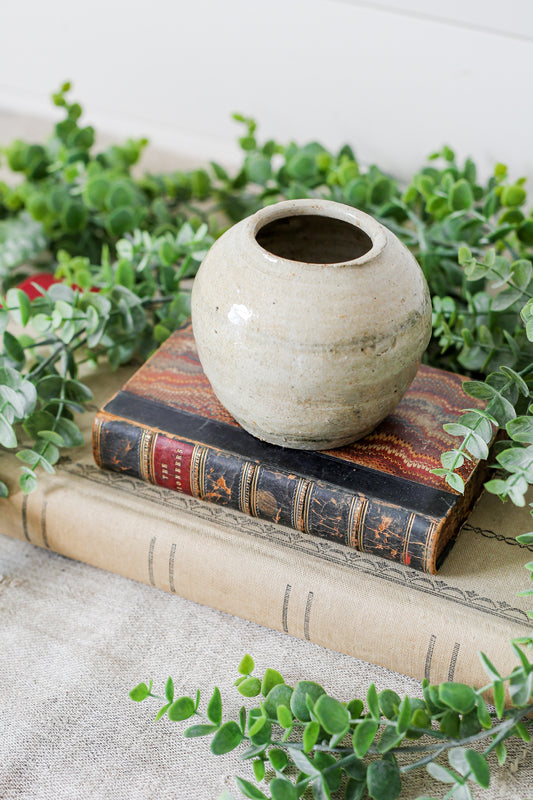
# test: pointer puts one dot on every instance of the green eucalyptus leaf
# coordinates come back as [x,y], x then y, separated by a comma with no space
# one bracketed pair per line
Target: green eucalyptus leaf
[258,168]
[29,457]
[284,716]
[321,789]
[278,759]
[214,707]
[479,767]
[513,196]
[521,429]
[506,298]
[28,480]
[53,437]
[457,759]
[404,716]
[19,305]
[7,434]
[41,420]
[356,707]
[332,715]
[383,780]
[194,731]
[283,789]
[120,221]
[140,692]
[278,695]
[69,432]
[250,687]
[50,387]
[247,664]
[10,398]
[13,348]
[489,667]
[455,482]
[450,723]
[259,769]
[95,192]
[263,732]
[256,727]
[457,696]
[169,690]
[461,197]
[310,735]
[298,704]
[364,736]
[389,702]
[373,701]
[227,738]
[247,788]
[271,678]
[181,709]
[78,392]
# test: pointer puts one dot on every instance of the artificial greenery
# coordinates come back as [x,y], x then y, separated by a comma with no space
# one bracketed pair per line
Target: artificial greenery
[303,742]
[120,245]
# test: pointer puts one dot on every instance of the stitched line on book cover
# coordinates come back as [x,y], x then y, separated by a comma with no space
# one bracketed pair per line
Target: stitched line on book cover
[308,464]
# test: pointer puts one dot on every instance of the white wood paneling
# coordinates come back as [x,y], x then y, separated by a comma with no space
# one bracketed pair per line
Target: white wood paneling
[513,19]
[382,76]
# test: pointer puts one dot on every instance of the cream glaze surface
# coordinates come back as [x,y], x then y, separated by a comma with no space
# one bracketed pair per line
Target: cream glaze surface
[307,354]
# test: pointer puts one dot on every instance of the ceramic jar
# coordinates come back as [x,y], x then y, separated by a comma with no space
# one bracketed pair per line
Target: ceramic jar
[310,319]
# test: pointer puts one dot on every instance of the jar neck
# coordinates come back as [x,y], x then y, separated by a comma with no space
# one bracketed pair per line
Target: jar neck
[281,239]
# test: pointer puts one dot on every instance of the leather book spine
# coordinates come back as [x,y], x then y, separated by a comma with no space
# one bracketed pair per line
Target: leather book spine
[317,508]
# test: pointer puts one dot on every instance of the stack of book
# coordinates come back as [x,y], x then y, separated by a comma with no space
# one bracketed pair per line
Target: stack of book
[340,548]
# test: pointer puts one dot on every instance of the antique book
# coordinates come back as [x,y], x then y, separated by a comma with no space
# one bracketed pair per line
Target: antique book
[335,596]
[378,495]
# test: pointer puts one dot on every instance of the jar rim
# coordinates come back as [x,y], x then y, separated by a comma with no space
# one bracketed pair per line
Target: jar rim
[325,209]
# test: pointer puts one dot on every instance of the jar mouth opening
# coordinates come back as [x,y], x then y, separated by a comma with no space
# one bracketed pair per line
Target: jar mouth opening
[317,233]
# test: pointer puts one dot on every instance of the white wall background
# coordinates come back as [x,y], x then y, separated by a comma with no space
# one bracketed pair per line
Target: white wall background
[394,78]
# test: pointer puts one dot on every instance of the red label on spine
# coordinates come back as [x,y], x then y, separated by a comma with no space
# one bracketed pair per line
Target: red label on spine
[172,463]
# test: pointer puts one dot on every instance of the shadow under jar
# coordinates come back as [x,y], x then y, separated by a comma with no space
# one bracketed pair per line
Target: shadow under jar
[310,319]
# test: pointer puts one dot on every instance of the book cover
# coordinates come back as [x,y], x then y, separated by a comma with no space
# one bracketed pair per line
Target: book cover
[378,495]
[335,596]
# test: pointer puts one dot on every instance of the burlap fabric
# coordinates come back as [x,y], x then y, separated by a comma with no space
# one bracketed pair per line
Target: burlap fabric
[75,639]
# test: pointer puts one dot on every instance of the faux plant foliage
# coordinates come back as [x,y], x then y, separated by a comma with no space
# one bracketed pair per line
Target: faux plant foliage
[302,741]
[120,247]
[122,244]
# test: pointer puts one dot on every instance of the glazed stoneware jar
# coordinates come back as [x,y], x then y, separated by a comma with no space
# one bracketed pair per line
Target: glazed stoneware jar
[310,319]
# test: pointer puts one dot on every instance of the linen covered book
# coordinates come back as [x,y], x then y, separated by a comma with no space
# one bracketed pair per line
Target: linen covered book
[378,495]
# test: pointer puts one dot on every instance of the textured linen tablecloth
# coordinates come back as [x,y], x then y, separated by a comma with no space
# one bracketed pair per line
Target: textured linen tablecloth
[74,640]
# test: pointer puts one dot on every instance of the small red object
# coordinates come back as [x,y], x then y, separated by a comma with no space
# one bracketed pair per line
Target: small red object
[43,279]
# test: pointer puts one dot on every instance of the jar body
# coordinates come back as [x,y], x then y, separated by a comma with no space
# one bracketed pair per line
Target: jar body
[306,354]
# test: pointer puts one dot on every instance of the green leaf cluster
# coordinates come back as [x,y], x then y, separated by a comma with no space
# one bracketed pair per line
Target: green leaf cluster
[118,309]
[301,741]
[87,216]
